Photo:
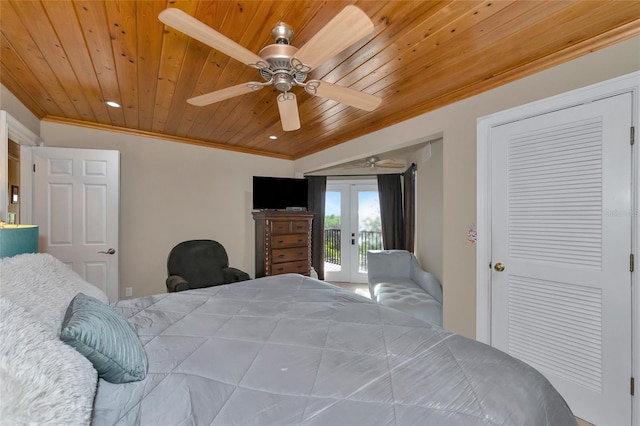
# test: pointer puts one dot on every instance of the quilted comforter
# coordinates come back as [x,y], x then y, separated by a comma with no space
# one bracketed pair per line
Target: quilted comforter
[289,350]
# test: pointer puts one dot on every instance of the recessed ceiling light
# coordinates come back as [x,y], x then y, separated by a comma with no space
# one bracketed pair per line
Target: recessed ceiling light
[273,137]
[113,104]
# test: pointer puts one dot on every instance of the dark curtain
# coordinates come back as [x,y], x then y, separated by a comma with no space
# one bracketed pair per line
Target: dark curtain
[316,197]
[390,193]
[409,207]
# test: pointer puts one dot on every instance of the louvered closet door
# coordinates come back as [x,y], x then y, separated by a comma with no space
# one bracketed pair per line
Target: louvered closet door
[561,226]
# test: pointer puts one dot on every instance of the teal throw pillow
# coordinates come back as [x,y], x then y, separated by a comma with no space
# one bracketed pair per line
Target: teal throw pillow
[105,338]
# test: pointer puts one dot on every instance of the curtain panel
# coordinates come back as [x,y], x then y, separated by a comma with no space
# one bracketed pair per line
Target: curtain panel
[391,211]
[316,201]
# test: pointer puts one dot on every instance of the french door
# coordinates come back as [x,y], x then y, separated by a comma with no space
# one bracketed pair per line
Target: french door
[352,226]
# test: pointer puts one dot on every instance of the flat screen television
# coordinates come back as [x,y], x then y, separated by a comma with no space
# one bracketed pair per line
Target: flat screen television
[273,193]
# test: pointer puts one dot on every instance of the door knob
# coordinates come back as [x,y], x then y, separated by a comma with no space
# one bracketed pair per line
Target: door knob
[499,267]
[110,251]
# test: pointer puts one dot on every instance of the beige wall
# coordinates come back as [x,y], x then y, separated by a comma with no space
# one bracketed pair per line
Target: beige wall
[171,192]
[429,204]
[457,125]
[15,108]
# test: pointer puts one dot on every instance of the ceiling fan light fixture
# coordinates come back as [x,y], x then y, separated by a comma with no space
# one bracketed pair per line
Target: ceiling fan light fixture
[283,82]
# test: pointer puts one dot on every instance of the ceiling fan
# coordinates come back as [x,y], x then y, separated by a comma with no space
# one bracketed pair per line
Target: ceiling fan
[282,65]
[375,161]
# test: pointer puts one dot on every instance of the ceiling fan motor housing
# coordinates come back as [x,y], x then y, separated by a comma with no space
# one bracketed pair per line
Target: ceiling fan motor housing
[278,56]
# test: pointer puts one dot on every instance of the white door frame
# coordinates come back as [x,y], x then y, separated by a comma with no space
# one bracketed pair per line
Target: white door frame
[626,84]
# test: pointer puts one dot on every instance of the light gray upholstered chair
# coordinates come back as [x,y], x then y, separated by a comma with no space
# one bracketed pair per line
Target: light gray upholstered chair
[397,280]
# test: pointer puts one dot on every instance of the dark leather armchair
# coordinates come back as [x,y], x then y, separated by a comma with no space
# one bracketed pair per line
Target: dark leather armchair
[200,263]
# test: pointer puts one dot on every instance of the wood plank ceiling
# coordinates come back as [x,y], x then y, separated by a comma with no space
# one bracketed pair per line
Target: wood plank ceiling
[64,59]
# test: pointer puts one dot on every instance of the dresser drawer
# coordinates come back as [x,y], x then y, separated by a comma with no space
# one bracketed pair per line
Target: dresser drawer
[280,227]
[299,226]
[289,227]
[289,254]
[291,240]
[299,267]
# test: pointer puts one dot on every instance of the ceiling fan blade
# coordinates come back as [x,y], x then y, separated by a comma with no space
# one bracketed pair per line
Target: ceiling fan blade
[190,26]
[347,27]
[343,95]
[288,107]
[389,163]
[223,94]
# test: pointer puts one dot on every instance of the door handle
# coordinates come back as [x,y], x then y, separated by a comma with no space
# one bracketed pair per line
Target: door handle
[499,267]
[110,251]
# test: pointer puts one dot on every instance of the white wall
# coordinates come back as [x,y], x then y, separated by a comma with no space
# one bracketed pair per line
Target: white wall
[457,124]
[171,192]
[15,108]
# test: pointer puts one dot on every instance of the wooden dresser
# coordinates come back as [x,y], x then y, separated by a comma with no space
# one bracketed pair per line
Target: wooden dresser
[283,242]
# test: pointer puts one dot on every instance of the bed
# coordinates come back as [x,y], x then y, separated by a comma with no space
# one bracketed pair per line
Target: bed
[286,350]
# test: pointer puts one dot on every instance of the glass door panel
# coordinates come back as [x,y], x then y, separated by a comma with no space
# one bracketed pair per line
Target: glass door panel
[366,229]
[352,226]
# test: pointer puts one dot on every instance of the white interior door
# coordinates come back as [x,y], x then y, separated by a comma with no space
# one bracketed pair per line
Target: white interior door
[76,206]
[561,217]
[358,207]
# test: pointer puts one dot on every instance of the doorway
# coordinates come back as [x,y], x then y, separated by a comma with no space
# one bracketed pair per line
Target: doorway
[13,188]
[352,227]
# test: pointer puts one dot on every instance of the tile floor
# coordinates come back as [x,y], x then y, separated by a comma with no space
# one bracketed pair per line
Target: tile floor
[360,288]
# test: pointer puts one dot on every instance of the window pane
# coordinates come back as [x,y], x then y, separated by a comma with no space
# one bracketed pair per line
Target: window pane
[369,226]
[332,224]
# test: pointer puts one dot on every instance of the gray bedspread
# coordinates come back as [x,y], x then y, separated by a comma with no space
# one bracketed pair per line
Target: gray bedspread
[289,350]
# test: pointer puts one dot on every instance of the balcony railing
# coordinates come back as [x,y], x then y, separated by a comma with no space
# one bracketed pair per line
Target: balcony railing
[368,240]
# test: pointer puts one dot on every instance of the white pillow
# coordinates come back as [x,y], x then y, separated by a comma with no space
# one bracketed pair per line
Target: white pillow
[42,380]
[44,286]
